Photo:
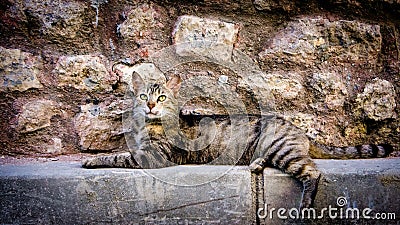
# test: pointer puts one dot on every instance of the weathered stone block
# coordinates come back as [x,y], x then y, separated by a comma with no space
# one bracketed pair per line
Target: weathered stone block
[58,20]
[313,40]
[19,70]
[378,100]
[55,146]
[141,22]
[99,127]
[144,31]
[36,115]
[285,85]
[84,72]
[257,84]
[221,98]
[329,90]
[195,36]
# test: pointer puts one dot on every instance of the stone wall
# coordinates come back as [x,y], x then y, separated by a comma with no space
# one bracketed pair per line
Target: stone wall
[331,67]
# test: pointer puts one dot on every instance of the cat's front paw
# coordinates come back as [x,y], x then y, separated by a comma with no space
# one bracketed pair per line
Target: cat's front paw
[257,165]
[89,163]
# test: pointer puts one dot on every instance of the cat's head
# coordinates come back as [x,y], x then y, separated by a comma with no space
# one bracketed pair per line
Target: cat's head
[156,99]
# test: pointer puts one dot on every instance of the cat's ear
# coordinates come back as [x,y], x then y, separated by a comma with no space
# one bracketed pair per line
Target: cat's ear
[174,84]
[137,82]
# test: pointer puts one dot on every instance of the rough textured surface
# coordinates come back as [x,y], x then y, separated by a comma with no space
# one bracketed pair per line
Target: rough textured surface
[19,70]
[139,21]
[36,115]
[378,100]
[62,192]
[84,72]
[57,23]
[312,61]
[144,29]
[330,91]
[286,86]
[314,40]
[202,36]
[56,20]
[99,126]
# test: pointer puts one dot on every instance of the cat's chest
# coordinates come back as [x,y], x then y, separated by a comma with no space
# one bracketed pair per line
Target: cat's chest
[155,130]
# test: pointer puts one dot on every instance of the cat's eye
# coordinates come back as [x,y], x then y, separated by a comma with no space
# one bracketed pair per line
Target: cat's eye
[143,97]
[161,98]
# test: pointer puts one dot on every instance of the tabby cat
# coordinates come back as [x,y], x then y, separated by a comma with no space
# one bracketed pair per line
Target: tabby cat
[155,137]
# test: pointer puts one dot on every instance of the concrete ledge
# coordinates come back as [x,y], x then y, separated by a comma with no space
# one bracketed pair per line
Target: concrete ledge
[356,184]
[64,193]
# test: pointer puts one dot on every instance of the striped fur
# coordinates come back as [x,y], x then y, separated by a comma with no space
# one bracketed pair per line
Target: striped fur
[318,151]
[269,140]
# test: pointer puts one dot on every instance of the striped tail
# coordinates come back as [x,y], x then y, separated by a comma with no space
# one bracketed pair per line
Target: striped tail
[319,151]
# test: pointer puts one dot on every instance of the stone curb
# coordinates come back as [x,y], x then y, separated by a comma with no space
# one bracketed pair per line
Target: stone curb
[64,193]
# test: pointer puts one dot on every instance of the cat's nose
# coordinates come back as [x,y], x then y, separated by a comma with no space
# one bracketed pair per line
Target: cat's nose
[151,105]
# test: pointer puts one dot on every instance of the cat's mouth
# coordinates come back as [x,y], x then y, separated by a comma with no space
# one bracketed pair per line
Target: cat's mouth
[152,115]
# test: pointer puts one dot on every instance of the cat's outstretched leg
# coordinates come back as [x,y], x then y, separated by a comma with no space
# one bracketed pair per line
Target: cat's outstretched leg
[303,169]
[306,171]
[121,160]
